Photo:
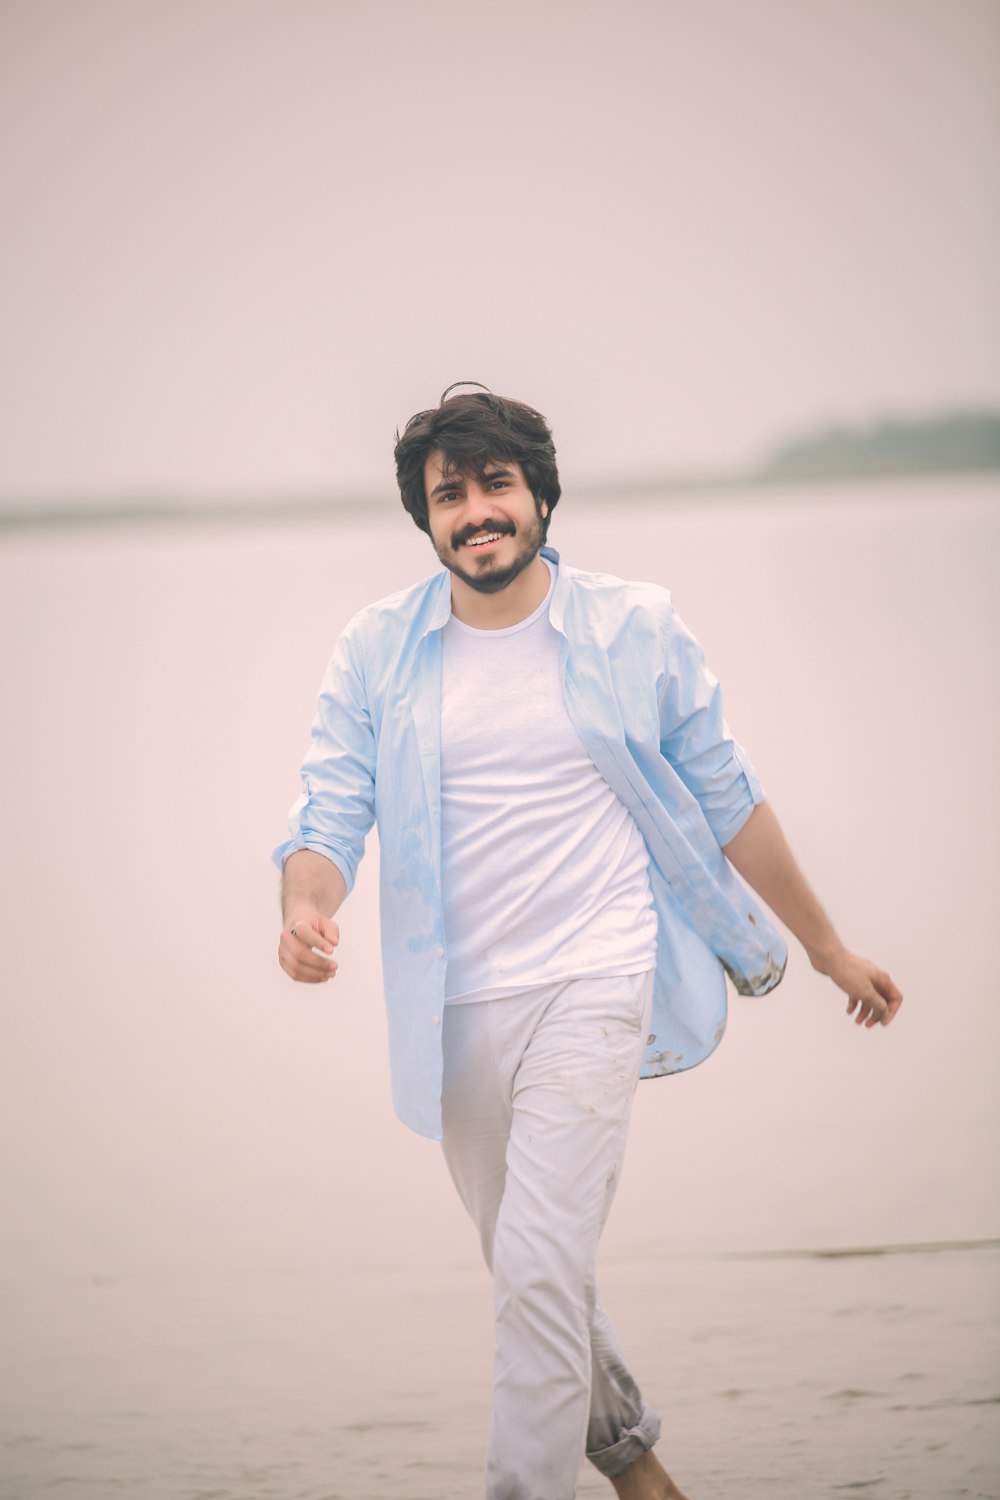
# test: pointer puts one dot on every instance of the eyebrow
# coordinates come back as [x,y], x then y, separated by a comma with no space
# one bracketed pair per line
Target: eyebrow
[485,477]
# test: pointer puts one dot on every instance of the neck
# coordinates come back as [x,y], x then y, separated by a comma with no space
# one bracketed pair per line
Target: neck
[508,606]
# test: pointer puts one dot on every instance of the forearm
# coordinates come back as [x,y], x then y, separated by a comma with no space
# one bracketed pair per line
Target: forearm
[761,855]
[311,882]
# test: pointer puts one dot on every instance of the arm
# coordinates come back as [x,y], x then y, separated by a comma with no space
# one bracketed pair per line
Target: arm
[312,890]
[760,853]
[329,822]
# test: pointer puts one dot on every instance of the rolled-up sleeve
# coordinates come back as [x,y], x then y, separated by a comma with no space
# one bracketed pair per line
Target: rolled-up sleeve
[337,807]
[696,740]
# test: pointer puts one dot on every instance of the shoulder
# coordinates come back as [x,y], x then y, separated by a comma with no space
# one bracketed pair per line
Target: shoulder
[391,619]
[615,601]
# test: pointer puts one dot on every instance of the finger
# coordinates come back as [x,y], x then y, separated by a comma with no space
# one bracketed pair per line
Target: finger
[886,999]
[316,963]
[891,994]
[330,931]
[309,973]
[315,976]
[311,937]
[873,1008]
[866,1005]
[302,963]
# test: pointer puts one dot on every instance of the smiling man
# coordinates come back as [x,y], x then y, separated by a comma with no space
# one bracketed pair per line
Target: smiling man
[561,808]
[486,529]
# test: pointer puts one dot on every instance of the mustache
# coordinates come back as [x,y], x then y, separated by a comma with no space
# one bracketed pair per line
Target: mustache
[505,528]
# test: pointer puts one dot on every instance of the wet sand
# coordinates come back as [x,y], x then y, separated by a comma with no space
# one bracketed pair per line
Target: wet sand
[802,1377]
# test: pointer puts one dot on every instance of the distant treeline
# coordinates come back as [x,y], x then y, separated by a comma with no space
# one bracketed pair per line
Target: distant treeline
[962,442]
[959,442]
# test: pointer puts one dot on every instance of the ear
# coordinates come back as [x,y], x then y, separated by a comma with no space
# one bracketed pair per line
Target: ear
[543,508]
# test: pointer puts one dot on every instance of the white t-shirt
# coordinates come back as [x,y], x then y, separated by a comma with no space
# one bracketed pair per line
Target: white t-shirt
[544,872]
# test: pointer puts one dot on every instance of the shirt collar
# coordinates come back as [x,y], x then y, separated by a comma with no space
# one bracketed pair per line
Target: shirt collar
[440,610]
[557,607]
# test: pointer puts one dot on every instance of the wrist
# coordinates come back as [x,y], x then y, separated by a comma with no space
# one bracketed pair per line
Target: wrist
[301,912]
[826,954]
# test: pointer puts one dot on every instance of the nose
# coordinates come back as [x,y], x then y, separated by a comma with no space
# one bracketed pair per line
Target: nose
[478,504]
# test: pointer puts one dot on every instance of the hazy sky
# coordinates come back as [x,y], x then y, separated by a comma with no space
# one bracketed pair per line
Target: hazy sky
[243,241]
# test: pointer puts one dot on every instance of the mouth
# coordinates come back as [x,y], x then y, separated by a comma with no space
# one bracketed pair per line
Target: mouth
[483,541]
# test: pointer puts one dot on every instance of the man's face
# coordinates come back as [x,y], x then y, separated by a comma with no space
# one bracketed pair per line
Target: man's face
[486,531]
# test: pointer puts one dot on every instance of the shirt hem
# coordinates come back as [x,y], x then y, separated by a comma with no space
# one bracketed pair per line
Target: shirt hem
[504,991]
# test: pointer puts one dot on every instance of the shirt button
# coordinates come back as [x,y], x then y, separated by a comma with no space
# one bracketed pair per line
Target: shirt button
[437,1020]
[440,953]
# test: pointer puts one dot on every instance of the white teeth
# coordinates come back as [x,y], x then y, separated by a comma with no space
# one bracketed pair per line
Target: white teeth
[480,541]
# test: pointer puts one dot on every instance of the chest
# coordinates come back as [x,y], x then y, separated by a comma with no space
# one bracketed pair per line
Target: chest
[502,704]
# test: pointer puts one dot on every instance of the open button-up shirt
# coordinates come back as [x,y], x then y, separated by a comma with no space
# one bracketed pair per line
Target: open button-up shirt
[650,716]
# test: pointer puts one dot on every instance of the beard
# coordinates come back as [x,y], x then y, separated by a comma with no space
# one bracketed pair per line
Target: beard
[489,576]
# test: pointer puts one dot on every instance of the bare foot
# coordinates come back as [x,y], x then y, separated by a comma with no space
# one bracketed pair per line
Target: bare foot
[646,1479]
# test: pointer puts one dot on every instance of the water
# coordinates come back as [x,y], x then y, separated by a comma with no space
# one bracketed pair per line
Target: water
[228,1272]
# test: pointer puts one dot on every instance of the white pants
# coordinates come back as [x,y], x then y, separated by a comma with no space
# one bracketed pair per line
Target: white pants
[537,1095]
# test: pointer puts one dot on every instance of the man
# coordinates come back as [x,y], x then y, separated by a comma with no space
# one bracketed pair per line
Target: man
[560,808]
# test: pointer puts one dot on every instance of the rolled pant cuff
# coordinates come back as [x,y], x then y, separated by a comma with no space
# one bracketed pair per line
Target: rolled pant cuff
[630,1446]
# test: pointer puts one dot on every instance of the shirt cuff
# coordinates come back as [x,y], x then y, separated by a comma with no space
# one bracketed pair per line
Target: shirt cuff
[293,845]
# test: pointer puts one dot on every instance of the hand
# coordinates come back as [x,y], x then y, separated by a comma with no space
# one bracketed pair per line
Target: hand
[306,931]
[870,991]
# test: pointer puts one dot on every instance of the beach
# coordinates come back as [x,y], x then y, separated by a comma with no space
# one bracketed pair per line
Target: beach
[229,1273]
[797,1377]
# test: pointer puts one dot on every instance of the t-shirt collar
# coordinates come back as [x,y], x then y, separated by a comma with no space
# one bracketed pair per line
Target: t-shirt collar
[441,607]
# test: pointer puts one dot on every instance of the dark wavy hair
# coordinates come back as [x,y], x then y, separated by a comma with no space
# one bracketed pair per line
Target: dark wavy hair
[472,431]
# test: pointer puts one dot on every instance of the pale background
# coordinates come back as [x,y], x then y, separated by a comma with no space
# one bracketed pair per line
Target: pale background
[243,240]
[241,244]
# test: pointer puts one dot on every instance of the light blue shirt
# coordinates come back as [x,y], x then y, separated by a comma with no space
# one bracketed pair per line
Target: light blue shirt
[649,714]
